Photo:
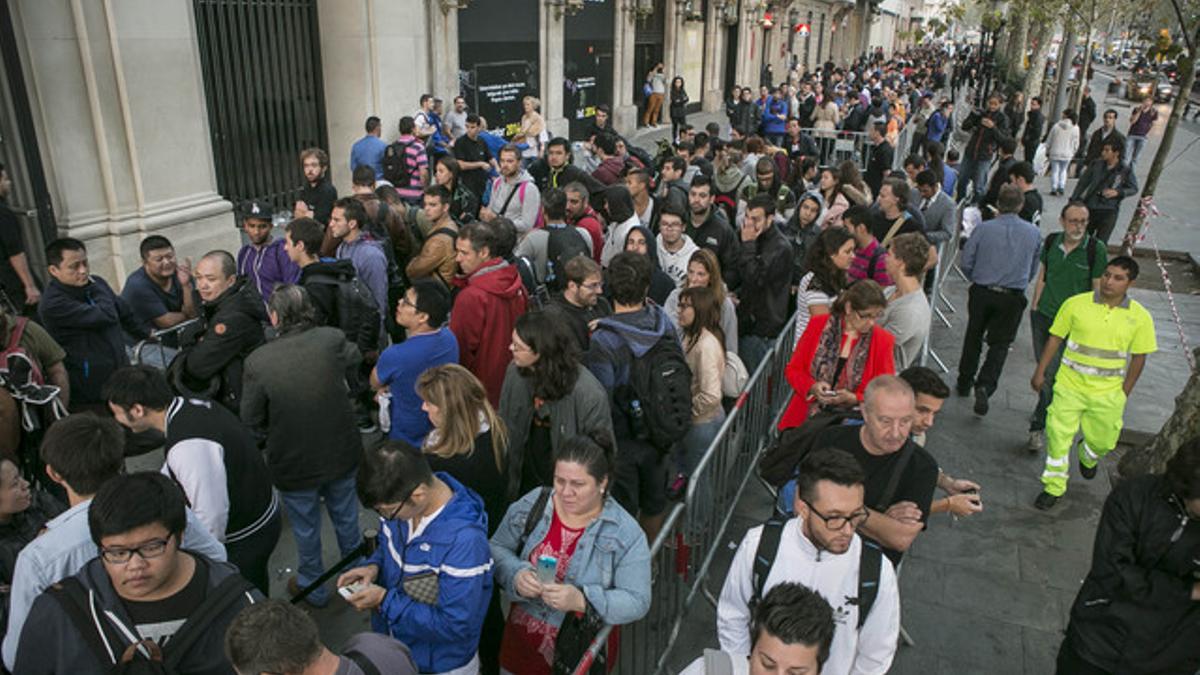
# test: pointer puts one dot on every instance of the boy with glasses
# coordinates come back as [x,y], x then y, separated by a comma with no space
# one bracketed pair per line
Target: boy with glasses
[820,547]
[142,597]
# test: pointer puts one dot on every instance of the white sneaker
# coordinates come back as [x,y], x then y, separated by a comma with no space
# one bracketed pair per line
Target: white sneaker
[1037,441]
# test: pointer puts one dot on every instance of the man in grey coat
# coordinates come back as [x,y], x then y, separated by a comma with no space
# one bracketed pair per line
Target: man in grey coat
[295,395]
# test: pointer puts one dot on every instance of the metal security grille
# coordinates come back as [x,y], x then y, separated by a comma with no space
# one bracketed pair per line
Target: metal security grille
[262,78]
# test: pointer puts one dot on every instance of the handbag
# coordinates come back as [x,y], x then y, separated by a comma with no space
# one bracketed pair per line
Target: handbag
[575,635]
[734,377]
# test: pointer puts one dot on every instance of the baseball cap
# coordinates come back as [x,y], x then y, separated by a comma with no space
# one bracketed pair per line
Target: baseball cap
[256,209]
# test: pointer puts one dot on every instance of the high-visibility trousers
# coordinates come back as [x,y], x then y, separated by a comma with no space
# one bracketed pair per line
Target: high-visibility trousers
[1098,414]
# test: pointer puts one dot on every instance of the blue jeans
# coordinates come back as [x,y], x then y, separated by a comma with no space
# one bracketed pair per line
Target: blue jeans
[974,172]
[1039,328]
[304,513]
[691,450]
[1133,148]
[752,349]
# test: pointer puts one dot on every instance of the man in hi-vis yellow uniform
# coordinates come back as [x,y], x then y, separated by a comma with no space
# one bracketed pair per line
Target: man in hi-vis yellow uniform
[1108,336]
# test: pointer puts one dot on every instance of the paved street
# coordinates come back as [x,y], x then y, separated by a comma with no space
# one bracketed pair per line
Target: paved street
[990,593]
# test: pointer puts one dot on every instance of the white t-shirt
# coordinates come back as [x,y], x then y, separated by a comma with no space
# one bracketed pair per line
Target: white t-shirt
[806,296]
[675,264]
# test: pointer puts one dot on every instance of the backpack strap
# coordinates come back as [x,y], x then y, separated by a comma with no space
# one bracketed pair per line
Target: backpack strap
[14,337]
[231,589]
[870,562]
[887,238]
[535,515]
[76,602]
[508,200]
[764,558]
[885,498]
[364,664]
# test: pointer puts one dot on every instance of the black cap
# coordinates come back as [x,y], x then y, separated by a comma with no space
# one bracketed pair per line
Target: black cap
[257,209]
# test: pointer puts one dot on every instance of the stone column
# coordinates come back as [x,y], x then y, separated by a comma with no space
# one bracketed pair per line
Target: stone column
[714,61]
[551,61]
[443,52]
[670,42]
[624,109]
[376,60]
[118,103]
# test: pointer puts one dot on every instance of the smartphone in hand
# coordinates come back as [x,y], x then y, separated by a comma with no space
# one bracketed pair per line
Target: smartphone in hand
[547,569]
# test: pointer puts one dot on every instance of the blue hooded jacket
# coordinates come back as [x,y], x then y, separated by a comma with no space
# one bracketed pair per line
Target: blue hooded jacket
[621,338]
[454,546]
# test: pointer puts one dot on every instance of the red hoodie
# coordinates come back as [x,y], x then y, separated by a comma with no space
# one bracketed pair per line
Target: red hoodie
[590,221]
[484,314]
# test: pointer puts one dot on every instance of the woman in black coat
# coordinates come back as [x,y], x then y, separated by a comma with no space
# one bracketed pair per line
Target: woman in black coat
[23,514]
[679,101]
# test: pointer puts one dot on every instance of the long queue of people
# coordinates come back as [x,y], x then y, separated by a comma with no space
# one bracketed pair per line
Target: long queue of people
[549,343]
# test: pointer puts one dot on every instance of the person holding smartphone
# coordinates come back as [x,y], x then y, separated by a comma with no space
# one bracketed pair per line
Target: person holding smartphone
[571,559]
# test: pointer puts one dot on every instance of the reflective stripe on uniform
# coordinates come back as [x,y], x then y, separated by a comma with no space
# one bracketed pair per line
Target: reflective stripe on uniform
[1056,461]
[1084,369]
[1055,474]
[1096,351]
[1087,452]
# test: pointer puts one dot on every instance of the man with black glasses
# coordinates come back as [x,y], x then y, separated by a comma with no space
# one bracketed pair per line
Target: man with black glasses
[820,548]
[178,603]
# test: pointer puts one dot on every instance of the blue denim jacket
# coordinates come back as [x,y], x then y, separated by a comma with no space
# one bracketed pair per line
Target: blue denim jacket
[611,563]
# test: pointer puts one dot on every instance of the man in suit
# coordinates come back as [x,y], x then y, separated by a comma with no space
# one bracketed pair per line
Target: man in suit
[940,213]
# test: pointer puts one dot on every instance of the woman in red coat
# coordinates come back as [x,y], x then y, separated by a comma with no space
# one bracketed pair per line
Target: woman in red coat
[839,353]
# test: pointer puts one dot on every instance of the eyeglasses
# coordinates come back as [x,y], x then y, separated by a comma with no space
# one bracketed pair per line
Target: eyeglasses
[868,316]
[120,556]
[835,523]
[396,511]
[403,301]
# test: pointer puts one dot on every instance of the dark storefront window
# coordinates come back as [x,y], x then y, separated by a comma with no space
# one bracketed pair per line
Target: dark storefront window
[587,63]
[498,59]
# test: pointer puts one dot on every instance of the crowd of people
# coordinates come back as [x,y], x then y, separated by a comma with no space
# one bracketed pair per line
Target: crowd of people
[548,337]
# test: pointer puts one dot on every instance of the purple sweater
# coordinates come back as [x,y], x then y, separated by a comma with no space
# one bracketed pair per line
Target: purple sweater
[267,267]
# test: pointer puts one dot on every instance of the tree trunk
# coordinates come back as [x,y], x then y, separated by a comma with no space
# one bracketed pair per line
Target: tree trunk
[1187,66]
[1087,61]
[1042,34]
[1018,41]
[1183,425]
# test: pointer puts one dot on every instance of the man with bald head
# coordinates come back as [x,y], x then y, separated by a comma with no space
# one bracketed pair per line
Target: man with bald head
[899,475]
[211,360]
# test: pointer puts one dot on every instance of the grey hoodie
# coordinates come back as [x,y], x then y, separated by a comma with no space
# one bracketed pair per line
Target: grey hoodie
[524,206]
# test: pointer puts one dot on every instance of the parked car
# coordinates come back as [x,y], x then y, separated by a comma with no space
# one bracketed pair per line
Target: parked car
[1164,91]
[1141,87]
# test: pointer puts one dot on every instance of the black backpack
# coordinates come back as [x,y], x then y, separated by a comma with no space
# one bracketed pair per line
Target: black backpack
[132,659]
[657,400]
[870,562]
[357,314]
[395,164]
[563,244]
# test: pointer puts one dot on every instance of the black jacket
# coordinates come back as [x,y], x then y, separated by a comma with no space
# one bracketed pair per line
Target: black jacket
[305,412]
[324,295]
[984,140]
[52,644]
[1097,141]
[878,165]
[233,327]
[320,199]
[1097,177]
[1134,613]
[16,534]
[766,264]
[718,236]
[1034,121]
[90,323]
[745,118]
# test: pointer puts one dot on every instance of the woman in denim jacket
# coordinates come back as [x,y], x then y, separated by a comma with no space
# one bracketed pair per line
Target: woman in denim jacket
[595,550]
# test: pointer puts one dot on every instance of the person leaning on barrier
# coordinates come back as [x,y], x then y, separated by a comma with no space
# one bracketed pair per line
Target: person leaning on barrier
[567,551]
[819,546]
[791,632]
[275,636]
[234,316]
[931,393]
[161,292]
[1138,610]
[429,581]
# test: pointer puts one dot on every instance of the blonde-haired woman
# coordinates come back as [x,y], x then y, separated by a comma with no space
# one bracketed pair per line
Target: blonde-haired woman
[468,440]
[533,128]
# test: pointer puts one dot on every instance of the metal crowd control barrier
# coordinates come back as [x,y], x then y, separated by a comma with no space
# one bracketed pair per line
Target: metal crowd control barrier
[695,531]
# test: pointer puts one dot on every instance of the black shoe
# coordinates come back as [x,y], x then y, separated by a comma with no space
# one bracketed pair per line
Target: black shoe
[981,401]
[1087,473]
[1045,501]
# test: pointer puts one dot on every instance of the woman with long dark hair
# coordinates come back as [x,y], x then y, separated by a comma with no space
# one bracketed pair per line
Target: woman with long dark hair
[704,349]
[826,262]
[830,187]
[705,270]
[548,396]
[853,185]
[464,204]
[678,109]
[838,354]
